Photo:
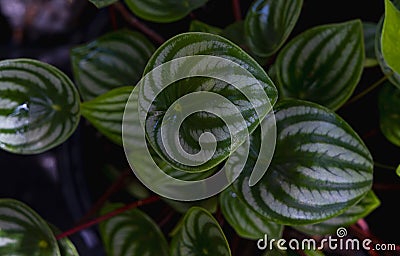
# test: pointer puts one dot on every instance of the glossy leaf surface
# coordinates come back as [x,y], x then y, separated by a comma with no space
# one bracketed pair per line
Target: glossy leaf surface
[391,35]
[389,113]
[320,167]
[323,64]
[39,106]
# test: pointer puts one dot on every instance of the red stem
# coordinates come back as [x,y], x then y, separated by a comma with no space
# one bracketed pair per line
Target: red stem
[237,13]
[116,186]
[134,22]
[113,18]
[107,216]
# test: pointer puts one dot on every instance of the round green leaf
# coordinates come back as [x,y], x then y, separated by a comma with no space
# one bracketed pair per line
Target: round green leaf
[393,76]
[268,24]
[389,113]
[196,43]
[320,167]
[246,222]
[67,248]
[106,112]
[163,10]
[199,234]
[323,64]
[102,3]
[369,203]
[390,36]
[24,232]
[39,106]
[369,30]
[131,233]
[113,60]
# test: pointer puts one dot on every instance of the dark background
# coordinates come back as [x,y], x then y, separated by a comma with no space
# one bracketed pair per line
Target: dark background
[63,183]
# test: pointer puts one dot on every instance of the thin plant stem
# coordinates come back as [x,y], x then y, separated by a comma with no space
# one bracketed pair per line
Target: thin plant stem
[115,187]
[368,90]
[107,216]
[237,12]
[384,166]
[134,22]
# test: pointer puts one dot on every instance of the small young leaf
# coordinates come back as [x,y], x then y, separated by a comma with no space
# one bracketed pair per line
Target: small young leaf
[163,10]
[106,112]
[313,253]
[132,233]
[391,35]
[398,170]
[320,167]
[389,113]
[369,203]
[113,60]
[197,43]
[102,3]
[24,232]
[369,30]
[393,76]
[199,234]
[268,24]
[39,106]
[198,26]
[246,222]
[323,64]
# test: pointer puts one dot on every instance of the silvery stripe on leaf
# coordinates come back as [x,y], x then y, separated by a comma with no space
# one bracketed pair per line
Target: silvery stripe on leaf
[39,106]
[317,171]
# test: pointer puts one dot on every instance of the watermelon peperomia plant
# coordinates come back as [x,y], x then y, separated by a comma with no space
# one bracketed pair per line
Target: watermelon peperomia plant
[318,180]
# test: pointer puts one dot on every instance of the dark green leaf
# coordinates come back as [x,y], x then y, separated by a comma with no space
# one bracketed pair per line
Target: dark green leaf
[389,113]
[24,232]
[246,222]
[106,112]
[209,204]
[268,24]
[320,167]
[196,43]
[113,60]
[323,64]
[199,234]
[369,203]
[398,170]
[394,77]
[132,233]
[198,26]
[102,3]
[369,29]
[390,36]
[39,106]
[67,248]
[163,10]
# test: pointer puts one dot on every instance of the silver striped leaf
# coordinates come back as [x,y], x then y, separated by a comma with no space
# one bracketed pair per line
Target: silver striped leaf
[323,64]
[39,106]
[369,203]
[24,232]
[112,60]
[369,29]
[131,233]
[320,167]
[163,10]
[106,112]
[197,43]
[245,221]
[199,234]
[389,113]
[269,23]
